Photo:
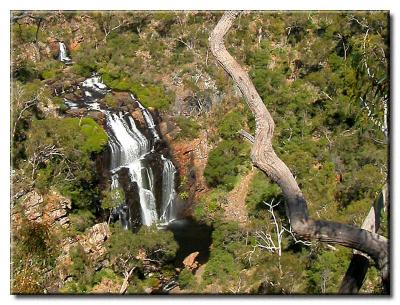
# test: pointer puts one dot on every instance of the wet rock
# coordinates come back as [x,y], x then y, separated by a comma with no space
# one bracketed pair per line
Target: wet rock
[139,119]
[77,112]
[99,117]
[190,158]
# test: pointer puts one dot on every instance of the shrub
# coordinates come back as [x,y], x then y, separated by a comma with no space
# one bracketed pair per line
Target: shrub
[230,124]
[186,279]
[124,246]
[72,169]
[189,129]
[224,162]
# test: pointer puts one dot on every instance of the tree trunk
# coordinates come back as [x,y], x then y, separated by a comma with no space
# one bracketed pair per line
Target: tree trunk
[263,157]
[357,270]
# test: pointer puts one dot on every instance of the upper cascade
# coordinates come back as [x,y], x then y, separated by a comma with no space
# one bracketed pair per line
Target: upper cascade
[63,53]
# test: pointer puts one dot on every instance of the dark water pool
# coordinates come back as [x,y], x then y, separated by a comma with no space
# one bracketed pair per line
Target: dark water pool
[191,236]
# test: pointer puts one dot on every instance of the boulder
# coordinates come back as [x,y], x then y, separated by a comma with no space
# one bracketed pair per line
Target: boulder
[93,242]
[56,209]
[190,261]
[33,206]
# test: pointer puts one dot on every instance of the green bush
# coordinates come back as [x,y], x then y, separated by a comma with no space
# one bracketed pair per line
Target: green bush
[261,190]
[224,162]
[186,279]
[189,128]
[124,246]
[81,219]
[230,124]
[221,268]
[71,170]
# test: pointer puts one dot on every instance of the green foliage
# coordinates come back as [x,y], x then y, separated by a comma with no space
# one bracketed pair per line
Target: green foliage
[261,190]
[153,95]
[314,71]
[104,273]
[71,170]
[81,219]
[124,246]
[25,33]
[81,270]
[189,128]
[326,271]
[230,124]
[113,198]
[224,264]
[110,101]
[35,240]
[34,249]
[186,279]
[210,207]
[225,162]
[221,268]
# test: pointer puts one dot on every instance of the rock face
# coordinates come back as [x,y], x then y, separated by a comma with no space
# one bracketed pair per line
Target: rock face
[93,242]
[190,157]
[33,206]
[51,209]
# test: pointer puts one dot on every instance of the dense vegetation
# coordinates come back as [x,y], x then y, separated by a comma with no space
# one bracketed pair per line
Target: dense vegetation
[324,78]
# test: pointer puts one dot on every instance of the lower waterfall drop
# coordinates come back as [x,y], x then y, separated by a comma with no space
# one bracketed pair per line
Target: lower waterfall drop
[168,191]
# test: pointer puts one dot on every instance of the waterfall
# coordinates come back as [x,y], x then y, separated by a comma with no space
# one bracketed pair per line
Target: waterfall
[122,210]
[94,83]
[168,191]
[148,118]
[130,149]
[63,53]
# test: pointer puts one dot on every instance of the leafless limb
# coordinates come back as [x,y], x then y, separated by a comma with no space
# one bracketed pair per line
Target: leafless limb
[127,275]
[42,154]
[22,105]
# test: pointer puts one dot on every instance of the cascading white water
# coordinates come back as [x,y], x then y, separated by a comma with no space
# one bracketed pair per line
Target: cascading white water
[94,83]
[168,191]
[129,149]
[63,53]
[121,210]
[148,118]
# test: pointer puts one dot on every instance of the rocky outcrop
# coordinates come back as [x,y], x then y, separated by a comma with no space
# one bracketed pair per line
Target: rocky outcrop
[93,242]
[33,206]
[51,209]
[190,157]
[190,261]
